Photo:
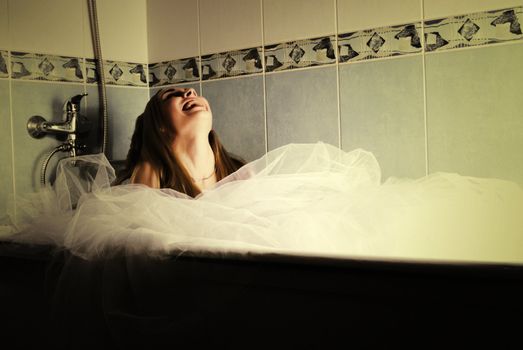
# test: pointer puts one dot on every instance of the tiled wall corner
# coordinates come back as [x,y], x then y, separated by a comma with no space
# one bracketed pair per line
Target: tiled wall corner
[172,29]
[227,25]
[297,19]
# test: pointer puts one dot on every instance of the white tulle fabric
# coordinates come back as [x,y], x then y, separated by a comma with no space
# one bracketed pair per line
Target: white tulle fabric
[305,199]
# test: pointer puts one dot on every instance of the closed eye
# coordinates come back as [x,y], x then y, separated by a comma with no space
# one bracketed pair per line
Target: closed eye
[172,93]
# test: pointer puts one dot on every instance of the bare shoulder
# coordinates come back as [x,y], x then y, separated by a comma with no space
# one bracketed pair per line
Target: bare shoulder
[144,173]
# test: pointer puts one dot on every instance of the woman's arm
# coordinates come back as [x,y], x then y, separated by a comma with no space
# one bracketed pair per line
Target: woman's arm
[144,173]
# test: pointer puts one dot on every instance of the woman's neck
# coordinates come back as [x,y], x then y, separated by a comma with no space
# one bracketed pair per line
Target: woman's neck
[197,156]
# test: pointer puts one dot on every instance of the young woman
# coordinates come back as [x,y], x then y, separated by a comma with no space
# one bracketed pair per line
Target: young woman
[174,145]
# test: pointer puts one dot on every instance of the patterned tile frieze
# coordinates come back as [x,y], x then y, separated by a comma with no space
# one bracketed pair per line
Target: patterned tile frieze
[381,42]
[4,72]
[300,54]
[174,72]
[117,73]
[91,72]
[455,32]
[35,66]
[125,73]
[474,29]
[232,63]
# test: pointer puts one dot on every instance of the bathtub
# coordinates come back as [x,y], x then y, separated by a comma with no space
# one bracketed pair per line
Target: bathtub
[194,300]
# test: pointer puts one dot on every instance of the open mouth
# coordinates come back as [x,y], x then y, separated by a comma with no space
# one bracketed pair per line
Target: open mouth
[189,105]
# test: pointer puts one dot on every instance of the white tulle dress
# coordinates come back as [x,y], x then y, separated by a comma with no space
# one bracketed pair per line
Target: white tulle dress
[305,199]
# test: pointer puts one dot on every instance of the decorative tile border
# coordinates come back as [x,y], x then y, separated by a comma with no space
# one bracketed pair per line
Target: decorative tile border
[300,54]
[381,42]
[475,29]
[91,72]
[232,63]
[35,66]
[117,73]
[4,71]
[125,73]
[174,72]
[455,32]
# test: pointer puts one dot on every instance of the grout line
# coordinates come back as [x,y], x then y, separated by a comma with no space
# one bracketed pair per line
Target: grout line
[11,119]
[146,64]
[264,76]
[13,172]
[424,76]
[85,17]
[200,73]
[337,71]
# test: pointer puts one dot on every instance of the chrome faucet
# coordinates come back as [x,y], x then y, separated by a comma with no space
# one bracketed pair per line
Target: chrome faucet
[38,127]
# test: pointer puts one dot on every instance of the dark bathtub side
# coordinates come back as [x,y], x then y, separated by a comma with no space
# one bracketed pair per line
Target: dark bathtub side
[255,301]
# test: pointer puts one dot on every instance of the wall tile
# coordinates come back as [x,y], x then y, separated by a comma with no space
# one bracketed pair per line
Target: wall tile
[382,112]
[46,100]
[474,111]
[297,19]
[172,29]
[123,30]
[5,42]
[237,108]
[90,109]
[301,107]
[229,25]
[124,106]
[441,8]
[6,170]
[356,15]
[44,27]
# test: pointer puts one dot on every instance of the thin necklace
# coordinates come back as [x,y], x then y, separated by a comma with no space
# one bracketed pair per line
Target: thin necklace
[204,178]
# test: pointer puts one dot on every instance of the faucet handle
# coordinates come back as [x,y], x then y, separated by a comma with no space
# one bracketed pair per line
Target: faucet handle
[76,99]
[74,103]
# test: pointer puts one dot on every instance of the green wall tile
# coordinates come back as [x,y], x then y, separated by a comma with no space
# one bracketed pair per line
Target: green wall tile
[475,112]
[381,106]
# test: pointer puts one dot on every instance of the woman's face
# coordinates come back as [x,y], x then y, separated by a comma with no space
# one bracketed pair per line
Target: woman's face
[190,114]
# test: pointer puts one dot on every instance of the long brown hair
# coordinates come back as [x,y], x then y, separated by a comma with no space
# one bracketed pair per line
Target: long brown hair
[152,140]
